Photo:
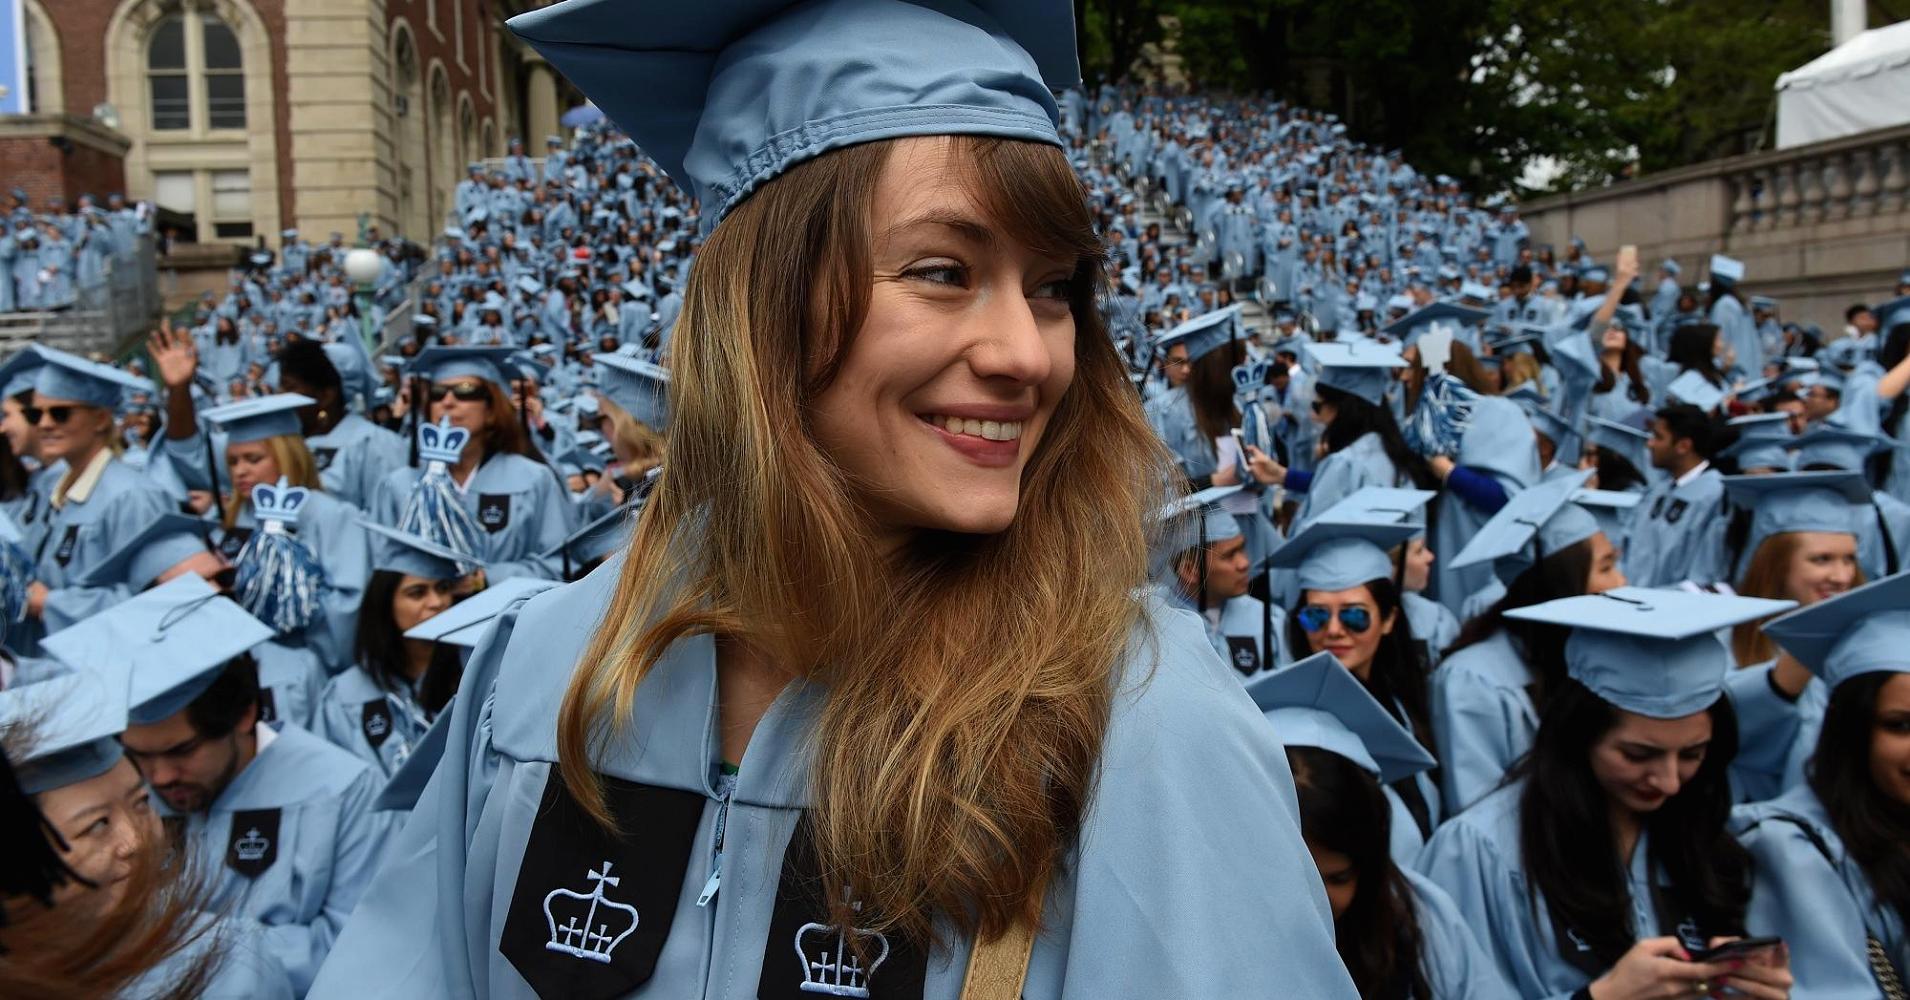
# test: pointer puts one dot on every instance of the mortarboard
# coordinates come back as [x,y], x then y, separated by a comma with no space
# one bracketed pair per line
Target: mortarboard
[1359,369]
[1728,270]
[1797,501]
[1692,387]
[175,638]
[68,376]
[1318,703]
[463,623]
[1624,440]
[1763,441]
[1567,443]
[403,552]
[71,723]
[640,387]
[492,364]
[165,542]
[596,540]
[1834,446]
[1337,555]
[257,419]
[1860,631]
[726,96]
[21,369]
[1204,334]
[1651,652]
[1437,312]
[1893,312]
[1543,512]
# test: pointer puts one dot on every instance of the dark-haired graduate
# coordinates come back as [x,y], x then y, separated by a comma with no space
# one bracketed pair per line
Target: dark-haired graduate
[1833,871]
[875,702]
[1677,530]
[1605,864]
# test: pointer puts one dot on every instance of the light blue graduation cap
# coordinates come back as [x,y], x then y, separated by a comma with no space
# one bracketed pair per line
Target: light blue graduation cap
[1215,525]
[1337,555]
[529,285]
[167,541]
[1764,440]
[595,540]
[1451,313]
[1361,369]
[21,369]
[492,364]
[1893,312]
[1623,440]
[462,624]
[1204,334]
[726,96]
[1671,267]
[1609,508]
[71,723]
[1764,302]
[1385,504]
[1318,703]
[257,419]
[1566,441]
[1834,446]
[1597,272]
[1798,501]
[1477,292]
[1651,652]
[68,376]
[1543,513]
[640,387]
[1726,270]
[174,638]
[1861,631]
[403,552]
[1694,388]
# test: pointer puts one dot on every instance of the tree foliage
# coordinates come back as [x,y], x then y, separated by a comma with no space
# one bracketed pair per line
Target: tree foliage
[1480,88]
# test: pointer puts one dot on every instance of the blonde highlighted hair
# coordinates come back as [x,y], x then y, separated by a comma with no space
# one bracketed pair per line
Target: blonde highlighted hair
[295,464]
[968,677]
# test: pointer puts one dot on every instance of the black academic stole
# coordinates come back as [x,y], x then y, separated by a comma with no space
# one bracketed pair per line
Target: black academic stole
[592,908]
[806,955]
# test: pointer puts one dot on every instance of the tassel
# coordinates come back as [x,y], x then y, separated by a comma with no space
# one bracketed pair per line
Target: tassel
[279,580]
[1439,422]
[433,511]
[16,574]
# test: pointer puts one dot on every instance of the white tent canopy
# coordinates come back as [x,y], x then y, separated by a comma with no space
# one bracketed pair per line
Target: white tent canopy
[1860,85]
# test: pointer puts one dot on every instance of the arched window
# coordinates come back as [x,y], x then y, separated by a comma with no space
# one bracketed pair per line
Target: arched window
[195,74]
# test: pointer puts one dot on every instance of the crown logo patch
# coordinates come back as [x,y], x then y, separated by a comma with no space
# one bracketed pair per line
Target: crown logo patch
[251,847]
[604,924]
[441,442]
[278,505]
[829,963]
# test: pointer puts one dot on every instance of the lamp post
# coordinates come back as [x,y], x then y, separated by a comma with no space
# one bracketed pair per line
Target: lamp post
[363,265]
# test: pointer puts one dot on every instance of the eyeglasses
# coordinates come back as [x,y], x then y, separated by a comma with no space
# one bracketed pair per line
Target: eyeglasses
[59,414]
[1314,618]
[468,392]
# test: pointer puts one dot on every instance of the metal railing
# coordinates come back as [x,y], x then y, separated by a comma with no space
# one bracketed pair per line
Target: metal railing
[105,315]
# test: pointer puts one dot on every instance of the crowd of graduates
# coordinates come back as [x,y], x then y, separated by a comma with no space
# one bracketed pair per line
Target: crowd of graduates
[47,257]
[1575,593]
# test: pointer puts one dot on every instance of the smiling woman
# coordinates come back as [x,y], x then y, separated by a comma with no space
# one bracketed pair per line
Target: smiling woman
[878,667]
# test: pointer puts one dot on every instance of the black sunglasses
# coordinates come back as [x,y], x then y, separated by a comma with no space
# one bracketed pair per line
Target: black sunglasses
[469,392]
[1315,617]
[60,414]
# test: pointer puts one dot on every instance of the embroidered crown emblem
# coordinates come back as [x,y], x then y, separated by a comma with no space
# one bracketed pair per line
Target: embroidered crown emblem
[1250,376]
[837,972]
[441,442]
[377,726]
[251,847]
[275,506]
[592,926]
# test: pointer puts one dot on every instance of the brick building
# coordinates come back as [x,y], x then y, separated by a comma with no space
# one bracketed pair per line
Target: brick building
[256,115]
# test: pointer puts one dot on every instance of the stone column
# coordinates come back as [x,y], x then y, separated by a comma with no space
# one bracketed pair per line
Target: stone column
[344,146]
[540,102]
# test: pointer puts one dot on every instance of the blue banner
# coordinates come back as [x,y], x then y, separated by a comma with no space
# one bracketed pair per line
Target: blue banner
[13,58]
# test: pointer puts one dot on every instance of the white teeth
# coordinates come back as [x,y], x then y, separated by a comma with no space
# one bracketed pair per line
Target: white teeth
[992,430]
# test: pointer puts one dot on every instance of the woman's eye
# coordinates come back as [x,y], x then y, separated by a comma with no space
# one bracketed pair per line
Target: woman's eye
[1062,288]
[1638,756]
[941,274]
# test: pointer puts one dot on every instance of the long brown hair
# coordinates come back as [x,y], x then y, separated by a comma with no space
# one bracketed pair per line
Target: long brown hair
[1210,391]
[1765,577]
[505,433]
[968,676]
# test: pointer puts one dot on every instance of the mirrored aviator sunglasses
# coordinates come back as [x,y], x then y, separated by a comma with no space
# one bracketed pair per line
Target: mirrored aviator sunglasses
[1315,617]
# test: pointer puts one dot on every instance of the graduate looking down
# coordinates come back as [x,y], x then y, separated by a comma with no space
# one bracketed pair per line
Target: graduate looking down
[877,666]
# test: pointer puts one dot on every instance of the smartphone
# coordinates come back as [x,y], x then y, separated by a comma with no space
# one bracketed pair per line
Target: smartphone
[1741,948]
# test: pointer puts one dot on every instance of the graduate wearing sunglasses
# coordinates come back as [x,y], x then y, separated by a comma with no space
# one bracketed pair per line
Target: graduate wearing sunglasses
[98,502]
[515,499]
[1349,606]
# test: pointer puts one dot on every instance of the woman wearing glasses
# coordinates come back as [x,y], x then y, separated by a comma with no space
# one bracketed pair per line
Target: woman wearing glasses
[98,502]
[1349,606]
[260,443]
[516,500]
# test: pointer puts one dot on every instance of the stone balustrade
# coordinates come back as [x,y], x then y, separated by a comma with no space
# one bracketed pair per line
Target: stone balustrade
[1818,227]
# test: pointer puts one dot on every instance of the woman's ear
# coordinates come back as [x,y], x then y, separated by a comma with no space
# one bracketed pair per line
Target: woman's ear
[1386,623]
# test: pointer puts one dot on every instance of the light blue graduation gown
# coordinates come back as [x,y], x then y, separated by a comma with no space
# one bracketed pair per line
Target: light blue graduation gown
[1347,471]
[1677,533]
[516,502]
[317,799]
[1806,889]
[244,970]
[1457,966]
[1499,443]
[1434,627]
[79,534]
[329,529]
[380,727]
[1475,857]
[1483,718]
[354,456]
[1234,910]
[291,679]
[1240,633]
